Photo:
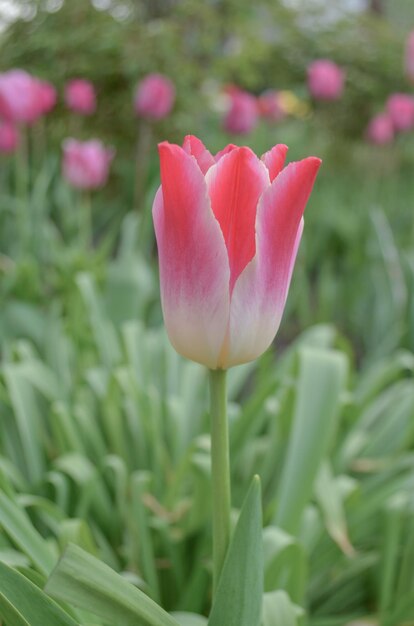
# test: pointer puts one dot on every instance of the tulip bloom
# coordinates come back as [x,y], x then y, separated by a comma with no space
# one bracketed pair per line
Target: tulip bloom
[47,96]
[380,130]
[9,137]
[228,229]
[270,106]
[154,97]
[325,80]
[243,112]
[80,96]
[400,107]
[19,97]
[86,164]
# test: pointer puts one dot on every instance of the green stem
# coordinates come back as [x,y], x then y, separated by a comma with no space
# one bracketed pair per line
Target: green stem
[143,150]
[220,469]
[22,188]
[86,226]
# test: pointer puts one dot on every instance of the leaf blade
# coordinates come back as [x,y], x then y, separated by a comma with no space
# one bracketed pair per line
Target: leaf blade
[240,589]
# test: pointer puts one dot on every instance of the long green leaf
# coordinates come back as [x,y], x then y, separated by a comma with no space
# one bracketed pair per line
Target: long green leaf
[17,525]
[85,582]
[23,604]
[321,381]
[239,593]
[190,619]
[278,610]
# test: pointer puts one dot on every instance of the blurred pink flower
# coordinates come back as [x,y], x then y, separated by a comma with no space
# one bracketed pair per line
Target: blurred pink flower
[409,57]
[400,107]
[380,130]
[86,163]
[19,97]
[48,96]
[154,97]
[9,137]
[325,80]
[80,96]
[270,106]
[243,112]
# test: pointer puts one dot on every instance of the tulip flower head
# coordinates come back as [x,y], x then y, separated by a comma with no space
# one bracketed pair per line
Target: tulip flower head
[47,96]
[380,130]
[20,100]
[9,137]
[86,164]
[400,107]
[80,96]
[154,97]
[228,229]
[243,112]
[325,80]
[409,57]
[271,106]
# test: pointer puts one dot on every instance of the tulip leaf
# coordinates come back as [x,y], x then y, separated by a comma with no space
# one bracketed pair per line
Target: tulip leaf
[285,563]
[17,525]
[190,619]
[22,603]
[238,600]
[278,610]
[85,582]
[320,385]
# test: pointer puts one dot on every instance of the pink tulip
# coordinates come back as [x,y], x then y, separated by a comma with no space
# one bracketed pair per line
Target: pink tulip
[409,57]
[86,164]
[270,106]
[154,97]
[400,107]
[48,96]
[242,115]
[380,130]
[80,96]
[325,80]
[228,229]
[9,137]
[19,97]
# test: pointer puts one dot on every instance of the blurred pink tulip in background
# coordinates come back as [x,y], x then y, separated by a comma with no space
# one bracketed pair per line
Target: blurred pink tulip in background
[86,163]
[20,97]
[270,106]
[325,80]
[154,97]
[400,107]
[48,96]
[380,130]
[9,137]
[80,96]
[242,114]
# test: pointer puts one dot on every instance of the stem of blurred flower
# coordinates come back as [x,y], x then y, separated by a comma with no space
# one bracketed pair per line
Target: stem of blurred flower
[141,168]
[220,469]
[39,141]
[85,225]
[22,186]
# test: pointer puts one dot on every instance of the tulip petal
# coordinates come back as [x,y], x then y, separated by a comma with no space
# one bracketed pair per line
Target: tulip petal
[259,296]
[194,269]
[226,150]
[193,145]
[274,160]
[235,185]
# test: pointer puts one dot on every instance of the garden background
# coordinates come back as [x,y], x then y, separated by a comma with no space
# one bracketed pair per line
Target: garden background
[103,427]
